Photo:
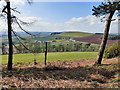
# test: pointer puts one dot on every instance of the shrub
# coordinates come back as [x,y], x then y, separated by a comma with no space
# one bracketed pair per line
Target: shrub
[112,51]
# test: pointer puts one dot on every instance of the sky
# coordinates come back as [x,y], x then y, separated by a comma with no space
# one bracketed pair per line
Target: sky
[60,16]
[58,11]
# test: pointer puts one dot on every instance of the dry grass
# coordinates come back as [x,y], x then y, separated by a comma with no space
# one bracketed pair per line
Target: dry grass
[63,74]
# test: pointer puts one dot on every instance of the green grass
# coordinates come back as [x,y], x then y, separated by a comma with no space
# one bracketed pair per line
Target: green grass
[51,56]
[75,34]
[43,38]
[65,42]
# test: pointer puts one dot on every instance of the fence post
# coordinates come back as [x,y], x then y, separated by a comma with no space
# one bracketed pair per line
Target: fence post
[45,53]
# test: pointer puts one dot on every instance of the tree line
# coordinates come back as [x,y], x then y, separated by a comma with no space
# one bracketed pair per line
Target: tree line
[117,37]
[40,47]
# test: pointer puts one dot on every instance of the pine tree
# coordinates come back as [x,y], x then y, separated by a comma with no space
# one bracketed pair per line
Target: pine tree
[105,9]
[10,19]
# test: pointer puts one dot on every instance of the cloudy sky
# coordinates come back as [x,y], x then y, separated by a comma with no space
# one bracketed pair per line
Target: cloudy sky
[58,16]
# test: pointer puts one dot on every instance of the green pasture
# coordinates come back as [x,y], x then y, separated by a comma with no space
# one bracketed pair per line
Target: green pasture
[64,42]
[52,56]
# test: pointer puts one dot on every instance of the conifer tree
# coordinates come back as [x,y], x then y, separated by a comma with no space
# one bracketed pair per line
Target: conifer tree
[108,9]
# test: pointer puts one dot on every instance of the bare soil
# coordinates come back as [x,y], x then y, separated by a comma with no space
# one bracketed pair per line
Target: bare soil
[62,74]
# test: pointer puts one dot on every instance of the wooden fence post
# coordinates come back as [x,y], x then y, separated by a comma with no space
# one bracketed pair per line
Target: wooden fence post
[45,53]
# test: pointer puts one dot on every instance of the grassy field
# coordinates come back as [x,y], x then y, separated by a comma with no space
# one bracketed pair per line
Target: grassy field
[65,42]
[75,34]
[53,56]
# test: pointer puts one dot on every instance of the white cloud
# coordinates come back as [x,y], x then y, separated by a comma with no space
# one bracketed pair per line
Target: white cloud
[31,19]
[2,3]
[87,24]
[16,2]
[3,25]
[90,24]
[84,24]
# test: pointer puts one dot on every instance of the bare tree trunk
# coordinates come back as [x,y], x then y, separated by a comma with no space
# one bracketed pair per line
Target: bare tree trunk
[9,37]
[104,39]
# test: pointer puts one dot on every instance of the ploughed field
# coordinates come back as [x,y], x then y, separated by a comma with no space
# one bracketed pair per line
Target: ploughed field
[95,39]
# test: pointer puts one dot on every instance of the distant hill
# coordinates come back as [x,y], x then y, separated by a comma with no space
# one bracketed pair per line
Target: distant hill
[24,34]
[75,34]
[99,33]
[54,33]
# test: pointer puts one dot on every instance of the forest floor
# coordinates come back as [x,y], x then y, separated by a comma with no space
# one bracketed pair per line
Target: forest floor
[63,74]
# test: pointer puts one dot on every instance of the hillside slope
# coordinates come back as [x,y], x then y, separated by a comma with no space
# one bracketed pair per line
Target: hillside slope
[95,39]
[75,34]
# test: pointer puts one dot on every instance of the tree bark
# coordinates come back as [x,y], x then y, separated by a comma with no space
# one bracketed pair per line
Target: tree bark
[104,39]
[9,37]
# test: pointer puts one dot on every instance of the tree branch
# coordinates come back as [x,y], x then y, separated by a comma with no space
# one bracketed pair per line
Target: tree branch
[19,35]
[14,9]
[22,28]
[16,47]
[23,44]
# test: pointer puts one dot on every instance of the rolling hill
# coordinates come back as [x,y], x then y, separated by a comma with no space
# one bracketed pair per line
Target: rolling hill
[74,34]
[63,36]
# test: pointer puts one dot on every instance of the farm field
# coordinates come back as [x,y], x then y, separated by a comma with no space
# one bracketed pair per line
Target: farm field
[52,56]
[65,42]
[74,34]
[95,39]
[63,37]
